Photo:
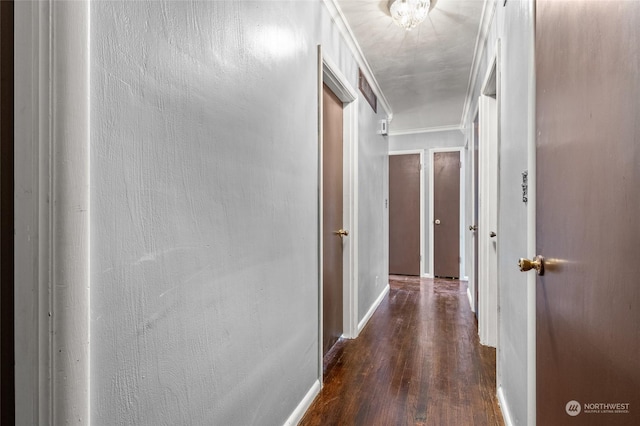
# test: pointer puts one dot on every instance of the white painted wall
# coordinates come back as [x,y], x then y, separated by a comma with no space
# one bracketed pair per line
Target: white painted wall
[204,208]
[373,220]
[513,357]
[511,23]
[204,201]
[426,141]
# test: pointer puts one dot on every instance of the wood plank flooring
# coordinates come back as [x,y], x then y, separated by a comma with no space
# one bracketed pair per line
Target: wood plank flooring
[417,362]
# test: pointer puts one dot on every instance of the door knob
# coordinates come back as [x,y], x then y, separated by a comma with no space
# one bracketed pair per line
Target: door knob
[537,263]
[437,221]
[492,234]
[473,228]
[342,233]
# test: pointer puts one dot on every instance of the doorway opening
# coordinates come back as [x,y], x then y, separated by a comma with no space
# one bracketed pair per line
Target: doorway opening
[446,212]
[446,170]
[488,196]
[406,213]
[344,237]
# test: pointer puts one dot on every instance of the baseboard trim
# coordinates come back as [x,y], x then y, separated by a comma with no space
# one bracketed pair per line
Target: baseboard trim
[506,414]
[304,405]
[373,308]
[427,276]
[470,297]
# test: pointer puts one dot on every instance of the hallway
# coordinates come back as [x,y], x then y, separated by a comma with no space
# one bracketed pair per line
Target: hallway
[417,362]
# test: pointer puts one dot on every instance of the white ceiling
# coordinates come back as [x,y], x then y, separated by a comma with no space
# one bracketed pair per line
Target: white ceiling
[423,73]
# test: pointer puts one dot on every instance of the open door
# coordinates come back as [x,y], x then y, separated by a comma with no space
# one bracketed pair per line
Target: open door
[588,175]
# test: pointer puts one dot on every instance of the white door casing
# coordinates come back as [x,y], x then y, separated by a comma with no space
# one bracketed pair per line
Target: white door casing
[329,74]
[488,239]
[52,272]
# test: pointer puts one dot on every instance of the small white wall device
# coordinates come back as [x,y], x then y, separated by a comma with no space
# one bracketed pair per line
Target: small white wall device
[383,127]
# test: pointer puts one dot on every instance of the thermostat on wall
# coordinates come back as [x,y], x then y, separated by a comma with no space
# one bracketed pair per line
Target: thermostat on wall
[383,127]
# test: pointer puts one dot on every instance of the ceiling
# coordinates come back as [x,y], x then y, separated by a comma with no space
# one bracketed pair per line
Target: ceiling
[424,73]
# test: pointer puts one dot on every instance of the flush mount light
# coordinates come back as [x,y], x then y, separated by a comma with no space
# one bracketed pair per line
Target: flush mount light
[409,13]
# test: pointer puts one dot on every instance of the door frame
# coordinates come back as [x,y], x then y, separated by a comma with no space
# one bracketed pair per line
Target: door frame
[52,229]
[330,74]
[422,209]
[489,151]
[461,254]
[472,290]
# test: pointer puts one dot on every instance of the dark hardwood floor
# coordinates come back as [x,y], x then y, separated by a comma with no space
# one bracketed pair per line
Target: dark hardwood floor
[417,362]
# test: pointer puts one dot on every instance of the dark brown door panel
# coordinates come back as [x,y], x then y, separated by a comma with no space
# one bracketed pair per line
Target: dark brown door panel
[588,202]
[332,217]
[404,214]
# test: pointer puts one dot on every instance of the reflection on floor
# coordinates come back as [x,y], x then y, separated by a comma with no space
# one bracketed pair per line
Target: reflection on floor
[417,362]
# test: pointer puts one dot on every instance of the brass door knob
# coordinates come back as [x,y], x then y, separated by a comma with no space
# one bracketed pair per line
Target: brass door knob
[473,228]
[341,233]
[537,263]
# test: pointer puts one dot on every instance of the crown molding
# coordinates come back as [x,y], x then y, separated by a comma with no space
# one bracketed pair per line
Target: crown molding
[488,14]
[341,22]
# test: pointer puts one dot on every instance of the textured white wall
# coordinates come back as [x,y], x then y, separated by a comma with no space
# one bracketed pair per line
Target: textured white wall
[373,219]
[204,209]
[443,139]
[512,357]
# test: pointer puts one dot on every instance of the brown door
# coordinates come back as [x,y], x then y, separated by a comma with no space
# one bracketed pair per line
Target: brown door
[404,214]
[446,208]
[588,206]
[332,218]
[7,402]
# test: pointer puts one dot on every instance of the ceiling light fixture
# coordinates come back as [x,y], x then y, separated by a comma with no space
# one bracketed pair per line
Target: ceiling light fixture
[409,13]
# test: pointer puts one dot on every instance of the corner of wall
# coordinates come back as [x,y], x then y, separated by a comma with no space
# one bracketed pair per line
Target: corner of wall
[373,308]
[304,405]
[504,407]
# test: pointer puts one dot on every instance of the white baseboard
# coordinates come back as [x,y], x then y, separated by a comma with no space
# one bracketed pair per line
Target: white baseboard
[506,415]
[302,408]
[470,297]
[373,308]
